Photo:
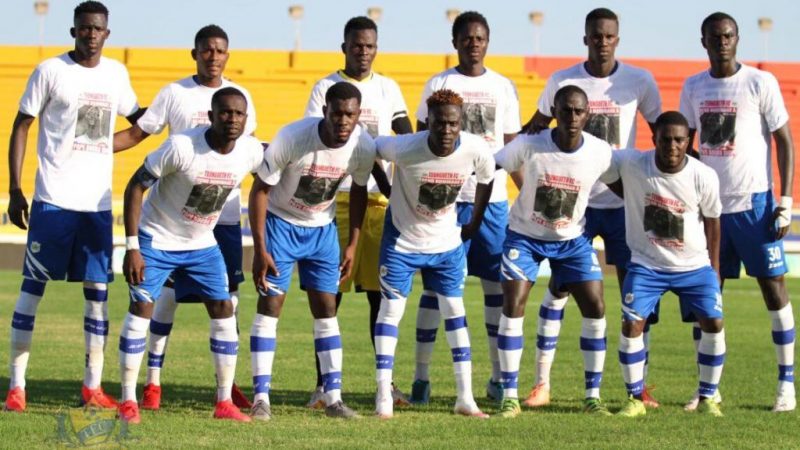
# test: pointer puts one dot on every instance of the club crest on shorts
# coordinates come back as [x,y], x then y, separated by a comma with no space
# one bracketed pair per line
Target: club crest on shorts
[513,254]
[628,298]
[383,270]
[35,247]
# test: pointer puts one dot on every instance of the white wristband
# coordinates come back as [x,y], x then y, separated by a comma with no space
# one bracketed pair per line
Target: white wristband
[132,243]
[785,216]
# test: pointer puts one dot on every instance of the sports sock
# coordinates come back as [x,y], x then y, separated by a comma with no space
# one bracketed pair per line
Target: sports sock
[428,317]
[696,333]
[386,339]
[509,348]
[30,294]
[328,344]
[224,344]
[632,356]
[783,336]
[593,347]
[551,314]
[710,359]
[646,341]
[160,328]
[262,353]
[455,326]
[492,309]
[132,342]
[95,331]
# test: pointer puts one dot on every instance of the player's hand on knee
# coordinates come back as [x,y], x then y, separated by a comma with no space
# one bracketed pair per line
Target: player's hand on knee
[18,209]
[346,266]
[133,267]
[468,231]
[263,265]
[781,218]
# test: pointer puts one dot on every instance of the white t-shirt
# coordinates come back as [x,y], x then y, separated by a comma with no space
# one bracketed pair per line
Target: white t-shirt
[734,118]
[491,110]
[613,103]
[381,103]
[184,104]
[77,108]
[305,173]
[194,182]
[554,196]
[426,186]
[664,211]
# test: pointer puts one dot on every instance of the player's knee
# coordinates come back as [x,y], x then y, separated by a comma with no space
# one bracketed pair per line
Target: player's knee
[270,306]
[391,311]
[95,285]
[141,309]
[219,309]
[711,325]
[632,328]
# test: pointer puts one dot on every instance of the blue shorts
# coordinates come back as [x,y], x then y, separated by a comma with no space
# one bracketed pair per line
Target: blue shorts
[198,273]
[229,240]
[485,250]
[749,237]
[697,290]
[314,249]
[571,261]
[72,245]
[609,224]
[442,273]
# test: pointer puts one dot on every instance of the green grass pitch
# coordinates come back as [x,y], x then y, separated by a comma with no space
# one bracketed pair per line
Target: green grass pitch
[748,383]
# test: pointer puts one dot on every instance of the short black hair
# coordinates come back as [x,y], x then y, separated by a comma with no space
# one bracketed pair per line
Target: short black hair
[466,18]
[600,14]
[342,91]
[208,32]
[359,23]
[568,90]
[226,92]
[90,7]
[671,118]
[717,17]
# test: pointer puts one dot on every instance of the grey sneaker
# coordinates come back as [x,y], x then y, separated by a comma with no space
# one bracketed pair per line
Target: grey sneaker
[341,411]
[261,411]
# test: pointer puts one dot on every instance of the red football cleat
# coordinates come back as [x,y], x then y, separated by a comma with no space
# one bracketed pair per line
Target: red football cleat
[648,399]
[239,399]
[129,412]
[96,397]
[15,400]
[227,410]
[151,397]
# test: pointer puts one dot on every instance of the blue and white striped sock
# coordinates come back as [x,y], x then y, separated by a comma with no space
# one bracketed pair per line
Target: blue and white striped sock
[548,327]
[224,344]
[455,326]
[386,332]
[328,345]
[428,318]
[160,328]
[262,352]
[509,348]
[632,356]
[783,336]
[710,359]
[30,294]
[593,347]
[132,342]
[95,331]
[492,309]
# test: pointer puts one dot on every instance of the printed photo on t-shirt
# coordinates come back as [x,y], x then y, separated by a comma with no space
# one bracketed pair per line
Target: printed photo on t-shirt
[369,119]
[717,127]
[313,190]
[555,200]
[438,191]
[663,220]
[93,125]
[205,200]
[603,121]
[199,119]
[478,118]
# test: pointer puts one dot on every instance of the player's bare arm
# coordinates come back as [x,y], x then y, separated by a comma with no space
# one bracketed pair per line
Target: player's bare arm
[482,194]
[381,179]
[17,204]
[784,150]
[133,264]
[711,227]
[358,205]
[128,138]
[421,126]
[257,211]
[616,188]
[402,125]
[537,123]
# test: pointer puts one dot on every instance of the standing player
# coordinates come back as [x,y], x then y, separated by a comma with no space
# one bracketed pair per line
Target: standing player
[292,200]
[183,105]
[491,110]
[193,173]
[616,92]
[672,211]
[560,166]
[70,219]
[383,110]
[422,233]
[736,110]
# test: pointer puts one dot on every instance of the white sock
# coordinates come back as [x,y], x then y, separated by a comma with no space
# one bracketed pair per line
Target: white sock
[631,361]
[696,333]
[160,329]
[224,345]
[710,359]
[593,347]
[492,309]
[548,327]
[509,348]
[132,342]
[455,325]
[262,352]
[22,330]
[328,345]
[389,316]
[95,331]
[428,318]
[783,336]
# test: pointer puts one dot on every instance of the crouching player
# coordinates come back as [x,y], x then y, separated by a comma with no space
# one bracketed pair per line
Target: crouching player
[193,174]
[422,233]
[672,210]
